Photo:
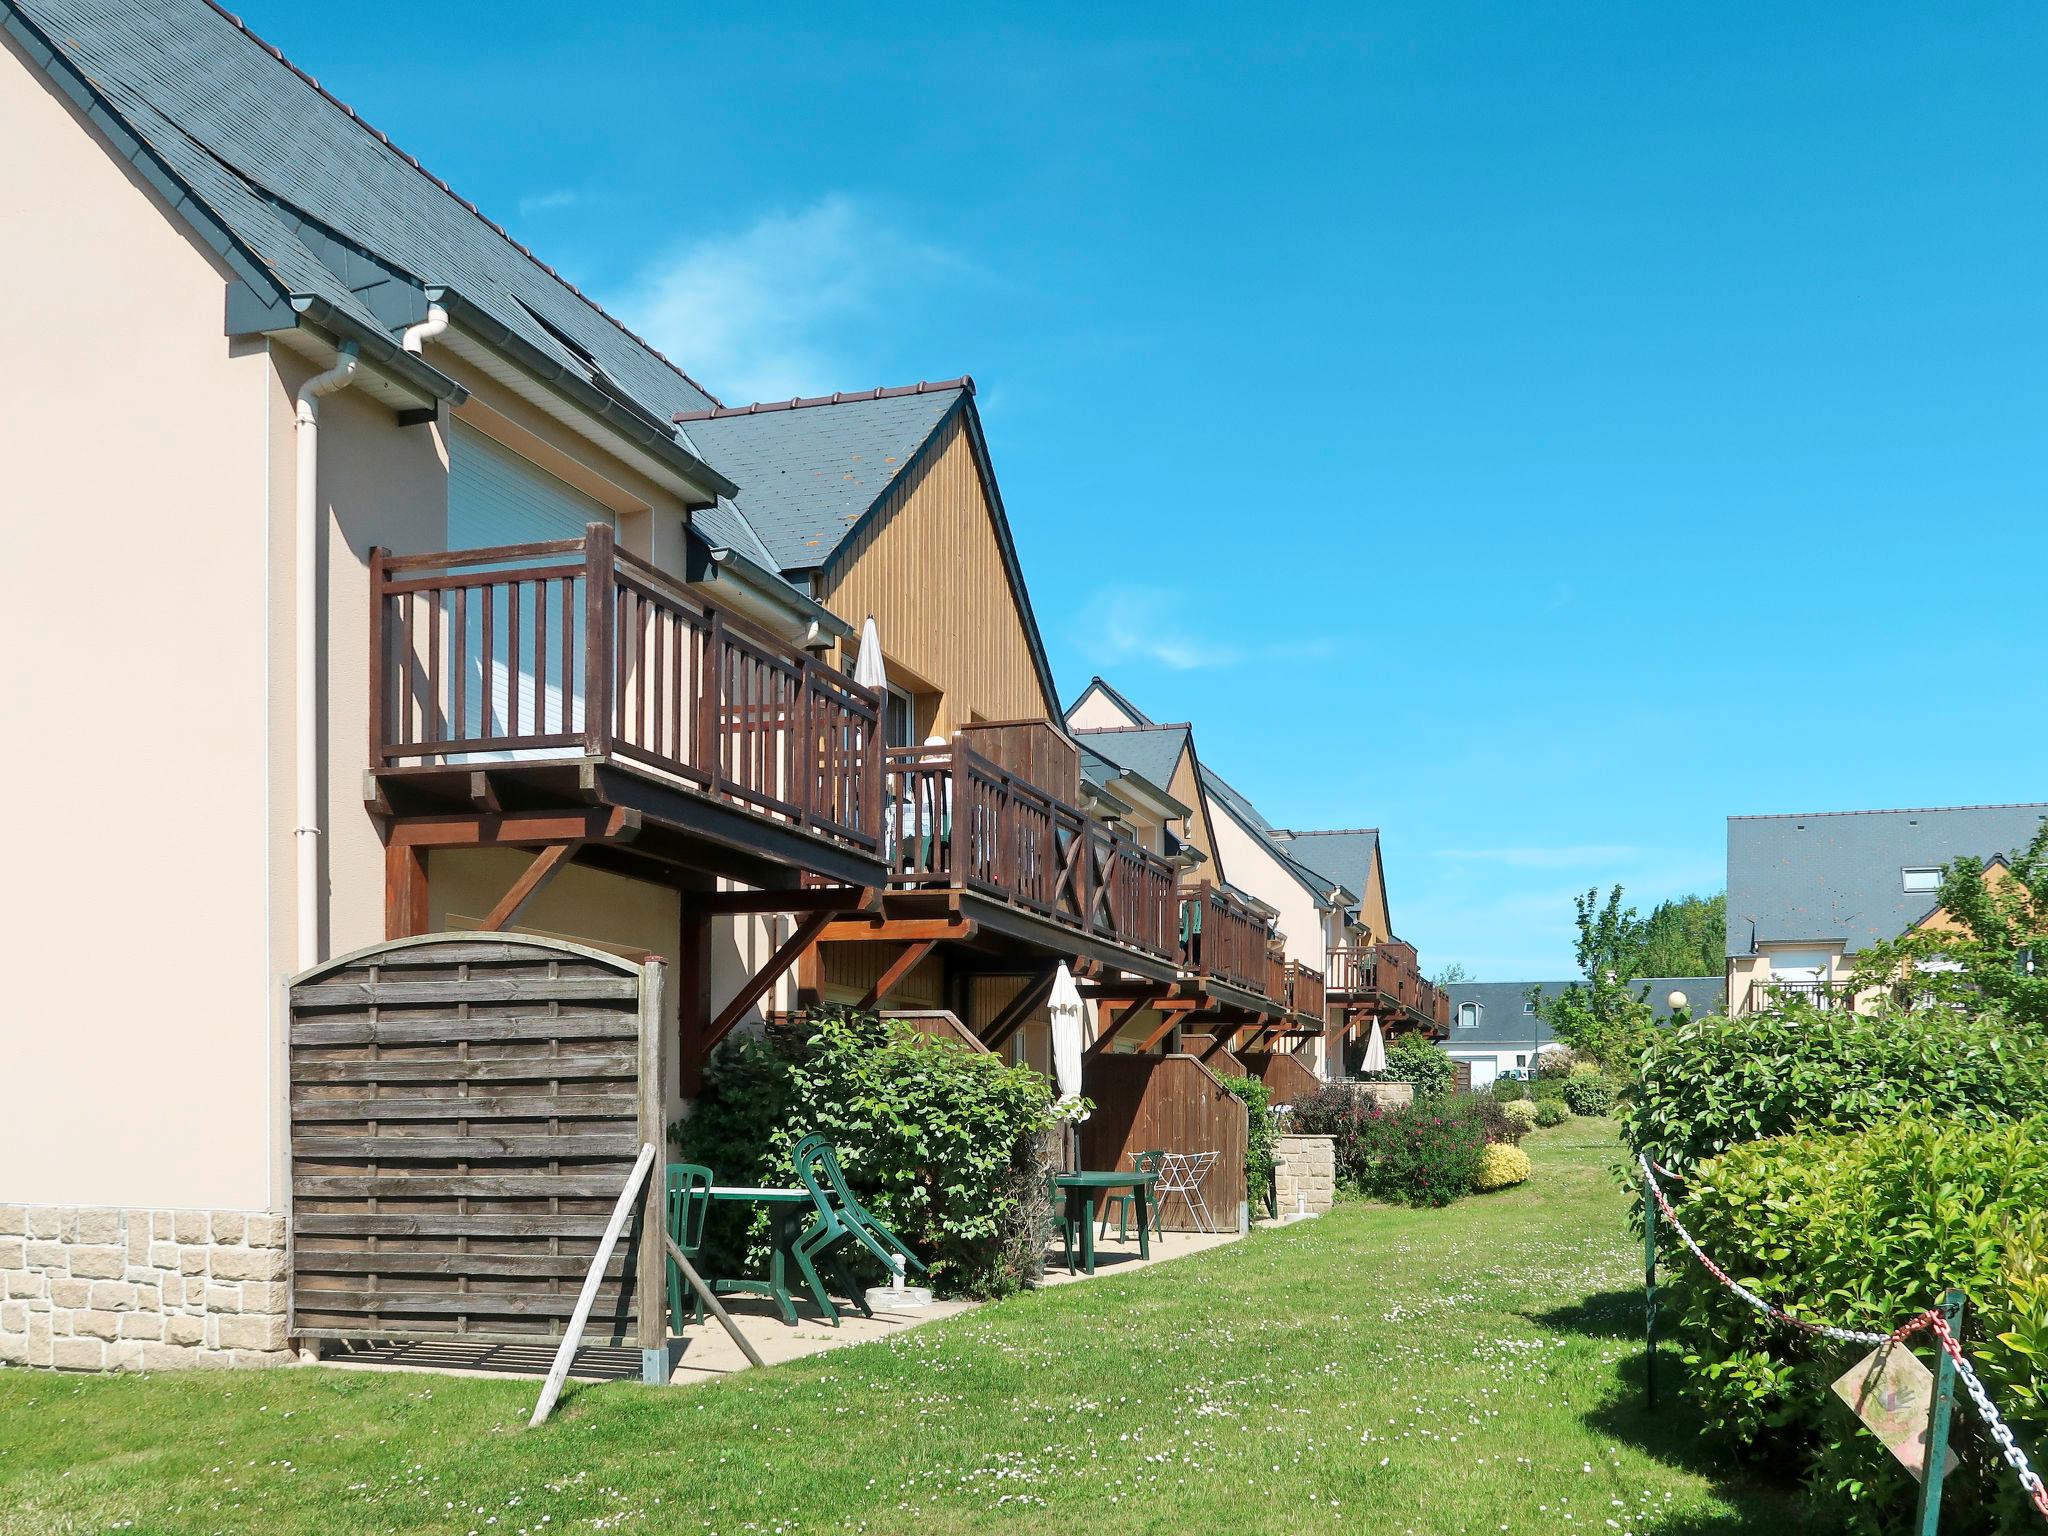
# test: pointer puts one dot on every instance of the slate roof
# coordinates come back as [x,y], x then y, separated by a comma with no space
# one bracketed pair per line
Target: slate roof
[286,168]
[1345,855]
[1151,751]
[1316,877]
[1503,1025]
[1103,773]
[1836,875]
[808,474]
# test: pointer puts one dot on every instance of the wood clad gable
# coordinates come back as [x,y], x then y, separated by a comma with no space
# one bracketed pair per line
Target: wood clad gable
[933,564]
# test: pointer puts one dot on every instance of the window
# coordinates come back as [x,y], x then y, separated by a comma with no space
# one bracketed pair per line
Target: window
[1468,1015]
[901,721]
[1528,1005]
[1925,881]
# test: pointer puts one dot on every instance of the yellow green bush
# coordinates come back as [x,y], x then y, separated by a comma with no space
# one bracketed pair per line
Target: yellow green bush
[1523,1112]
[1501,1165]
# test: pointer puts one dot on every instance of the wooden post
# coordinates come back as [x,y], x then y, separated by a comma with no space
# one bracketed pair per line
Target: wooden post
[947,819]
[711,710]
[1934,1469]
[406,911]
[600,590]
[693,996]
[650,1286]
[380,664]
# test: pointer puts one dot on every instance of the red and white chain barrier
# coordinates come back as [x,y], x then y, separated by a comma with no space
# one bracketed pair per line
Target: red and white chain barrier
[1932,1319]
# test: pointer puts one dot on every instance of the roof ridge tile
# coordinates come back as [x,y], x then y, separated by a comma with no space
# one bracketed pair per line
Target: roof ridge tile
[837,397]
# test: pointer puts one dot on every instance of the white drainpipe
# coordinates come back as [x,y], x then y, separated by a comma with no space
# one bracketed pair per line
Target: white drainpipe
[306,623]
[417,336]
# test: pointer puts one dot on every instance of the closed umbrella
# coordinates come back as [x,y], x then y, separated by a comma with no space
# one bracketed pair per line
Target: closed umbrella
[868,669]
[1065,1006]
[1375,1051]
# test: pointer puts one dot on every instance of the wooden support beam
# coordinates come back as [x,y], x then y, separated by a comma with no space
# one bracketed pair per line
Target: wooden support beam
[406,913]
[758,984]
[1101,1042]
[897,930]
[1170,1018]
[899,968]
[693,997]
[483,794]
[1006,1023]
[835,899]
[613,824]
[532,880]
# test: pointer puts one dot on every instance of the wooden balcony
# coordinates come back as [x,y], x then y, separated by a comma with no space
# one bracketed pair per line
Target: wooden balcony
[572,672]
[1224,939]
[959,822]
[1837,996]
[1386,980]
[1305,991]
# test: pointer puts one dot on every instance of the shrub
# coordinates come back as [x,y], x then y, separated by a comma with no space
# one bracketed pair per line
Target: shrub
[1494,1116]
[1552,1112]
[1258,1146]
[1424,1153]
[1412,1059]
[1523,1112]
[1499,1166]
[1866,1230]
[942,1143]
[1508,1089]
[1588,1093]
[1708,1085]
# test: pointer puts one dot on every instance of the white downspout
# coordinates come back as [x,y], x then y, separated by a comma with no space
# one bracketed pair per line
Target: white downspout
[306,645]
[417,336]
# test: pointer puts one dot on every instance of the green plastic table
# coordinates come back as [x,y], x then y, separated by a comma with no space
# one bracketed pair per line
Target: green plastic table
[785,1208]
[1082,1189]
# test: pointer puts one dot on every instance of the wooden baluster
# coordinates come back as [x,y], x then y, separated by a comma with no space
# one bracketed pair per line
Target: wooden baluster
[489,636]
[512,645]
[710,681]
[458,663]
[960,820]
[540,661]
[380,660]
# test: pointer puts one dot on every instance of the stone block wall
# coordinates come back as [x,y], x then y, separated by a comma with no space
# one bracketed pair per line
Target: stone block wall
[1304,1175]
[95,1288]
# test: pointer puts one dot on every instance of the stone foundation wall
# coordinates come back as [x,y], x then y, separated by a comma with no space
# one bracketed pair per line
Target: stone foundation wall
[93,1288]
[1304,1174]
[1386,1095]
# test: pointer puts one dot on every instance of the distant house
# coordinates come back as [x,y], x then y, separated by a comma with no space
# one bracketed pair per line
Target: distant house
[1807,892]
[1495,1027]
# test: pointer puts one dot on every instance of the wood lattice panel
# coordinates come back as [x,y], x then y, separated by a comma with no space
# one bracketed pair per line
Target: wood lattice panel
[464,1114]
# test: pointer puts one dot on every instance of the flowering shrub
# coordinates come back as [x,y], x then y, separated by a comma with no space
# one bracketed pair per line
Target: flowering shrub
[1522,1111]
[1412,1059]
[1425,1153]
[1552,1112]
[1499,1166]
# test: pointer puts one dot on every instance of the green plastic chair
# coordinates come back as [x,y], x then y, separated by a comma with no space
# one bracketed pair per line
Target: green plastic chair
[689,1202]
[839,1217]
[1127,1203]
[1060,1224]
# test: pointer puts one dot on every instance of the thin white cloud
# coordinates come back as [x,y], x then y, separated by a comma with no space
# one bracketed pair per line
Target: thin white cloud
[1563,856]
[549,201]
[768,312]
[1147,624]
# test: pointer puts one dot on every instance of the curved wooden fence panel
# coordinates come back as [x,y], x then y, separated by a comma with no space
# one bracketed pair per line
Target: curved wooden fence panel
[464,1113]
[1285,1076]
[1172,1104]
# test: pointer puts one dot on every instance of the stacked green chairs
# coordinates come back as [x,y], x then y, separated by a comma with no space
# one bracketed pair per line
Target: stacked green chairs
[689,1202]
[840,1218]
[1126,1203]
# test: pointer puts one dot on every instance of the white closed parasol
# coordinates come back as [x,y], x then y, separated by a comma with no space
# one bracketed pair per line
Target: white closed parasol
[868,669]
[1065,1005]
[1375,1051]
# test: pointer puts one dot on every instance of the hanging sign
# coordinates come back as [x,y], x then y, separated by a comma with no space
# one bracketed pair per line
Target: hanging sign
[1892,1392]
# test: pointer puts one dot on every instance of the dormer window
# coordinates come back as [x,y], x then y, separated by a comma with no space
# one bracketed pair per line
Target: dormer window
[1468,1015]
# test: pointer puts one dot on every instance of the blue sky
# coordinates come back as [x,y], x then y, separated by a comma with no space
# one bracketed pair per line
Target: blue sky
[1536,430]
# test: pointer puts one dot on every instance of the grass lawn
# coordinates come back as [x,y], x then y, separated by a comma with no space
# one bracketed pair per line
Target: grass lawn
[1474,1369]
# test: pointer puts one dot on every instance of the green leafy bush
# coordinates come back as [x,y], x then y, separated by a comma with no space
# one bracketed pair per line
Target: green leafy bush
[1258,1146]
[1523,1112]
[1507,1090]
[1588,1094]
[944,1144]
[1867,1229]
[1425,1153]
[1499,1166]
[1552,1112]
[1711,1084]
[1412,1059]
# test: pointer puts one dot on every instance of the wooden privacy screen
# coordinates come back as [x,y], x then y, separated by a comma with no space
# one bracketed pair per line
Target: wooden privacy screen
[1285,1077]
[1173,1104]
[464,1113]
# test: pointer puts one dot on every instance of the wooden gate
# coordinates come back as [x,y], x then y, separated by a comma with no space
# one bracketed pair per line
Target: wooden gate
[1175,1104]
[465,1112]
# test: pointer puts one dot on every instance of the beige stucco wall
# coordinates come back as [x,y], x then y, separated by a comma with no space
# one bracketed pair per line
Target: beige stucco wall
[135,1026]
[1253,868]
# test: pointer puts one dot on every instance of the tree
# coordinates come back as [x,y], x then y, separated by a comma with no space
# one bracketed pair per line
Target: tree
[1686,937]
[1990,948]
[1450,976]
[1606,1016]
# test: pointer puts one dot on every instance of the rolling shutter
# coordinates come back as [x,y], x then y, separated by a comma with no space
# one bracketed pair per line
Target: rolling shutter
[496,497]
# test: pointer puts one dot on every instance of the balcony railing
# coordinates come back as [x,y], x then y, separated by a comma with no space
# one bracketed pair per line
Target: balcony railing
[1305,991]
[1224,937]
[1389,972]
[957,821]
[1837,995]
[575,648]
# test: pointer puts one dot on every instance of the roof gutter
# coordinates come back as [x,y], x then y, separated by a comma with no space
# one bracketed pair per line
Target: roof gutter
[761,588]
[636,426]
[380,350]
